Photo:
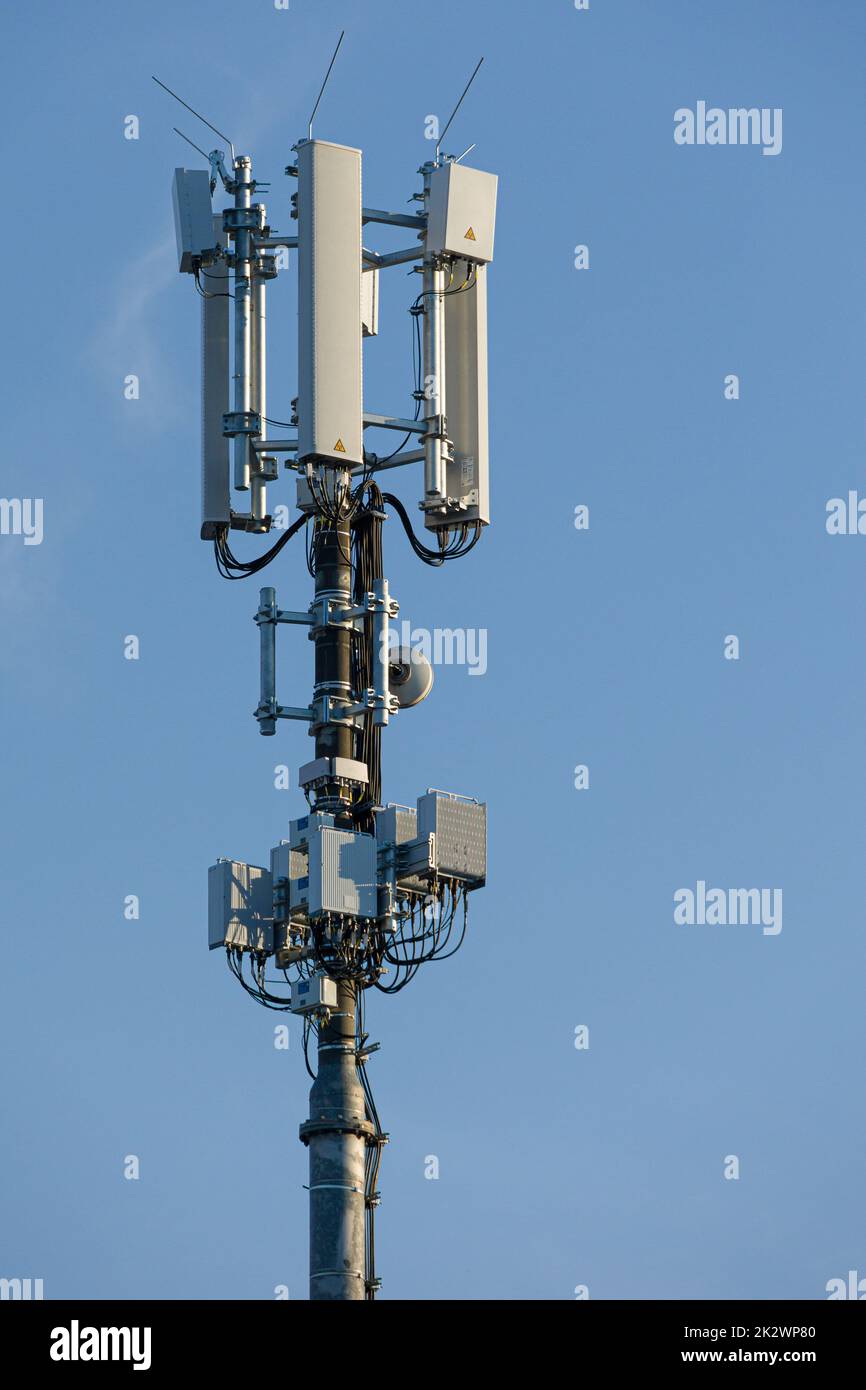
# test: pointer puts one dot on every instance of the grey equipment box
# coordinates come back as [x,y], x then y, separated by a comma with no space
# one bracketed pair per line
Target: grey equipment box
[292,861]
[394,824]
[460,828]
[304,827]
[309,996]
[193,218]
[240,906]
[396,827]
[342,874]
[461,212]
[288,866]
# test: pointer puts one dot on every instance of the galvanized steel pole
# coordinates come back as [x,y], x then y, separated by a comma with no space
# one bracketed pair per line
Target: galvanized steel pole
[336,1134]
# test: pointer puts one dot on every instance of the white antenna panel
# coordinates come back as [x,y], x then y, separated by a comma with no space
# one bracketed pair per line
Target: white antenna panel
[193,218]
[330,410]
[467,475]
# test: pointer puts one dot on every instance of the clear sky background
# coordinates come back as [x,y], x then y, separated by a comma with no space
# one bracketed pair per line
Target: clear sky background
[558,1167]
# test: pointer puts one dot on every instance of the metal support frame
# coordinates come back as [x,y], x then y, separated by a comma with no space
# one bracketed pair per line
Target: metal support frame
[274,446]
[332,701]
[382,261]
[396,461]
[403,425]
[378,698]
[268,617]
[393,219]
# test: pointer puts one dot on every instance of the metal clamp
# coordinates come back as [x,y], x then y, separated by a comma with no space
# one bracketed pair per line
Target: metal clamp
[375,700]
[377,600]
[339,1186]
[339,1124]
[269,613]
[237,422]
[250,219]
[328,710]
[268,711]
[265,266]
[378,604]
[328,611]
[436,427]
[264,466]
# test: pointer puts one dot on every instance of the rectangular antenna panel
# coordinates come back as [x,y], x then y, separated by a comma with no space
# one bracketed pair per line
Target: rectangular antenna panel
[193,217]
[461,212]
[467,477]
[460,828]
[240,906]
[330,407]
[287,862]
[215,494]
[395,825]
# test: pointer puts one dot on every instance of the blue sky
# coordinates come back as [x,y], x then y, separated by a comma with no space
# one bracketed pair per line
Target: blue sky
[558,1167]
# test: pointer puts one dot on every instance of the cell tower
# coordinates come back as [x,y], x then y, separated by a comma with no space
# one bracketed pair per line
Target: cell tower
[360,893]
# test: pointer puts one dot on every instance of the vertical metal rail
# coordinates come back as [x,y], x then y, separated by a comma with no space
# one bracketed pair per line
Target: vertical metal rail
[241,371]
[268,657]
[258,393]
[435,440]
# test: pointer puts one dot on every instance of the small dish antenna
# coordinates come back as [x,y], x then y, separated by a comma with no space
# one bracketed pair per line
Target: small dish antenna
[410,677]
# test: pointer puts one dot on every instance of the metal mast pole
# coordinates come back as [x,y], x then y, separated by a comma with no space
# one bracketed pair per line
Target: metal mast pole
[357,884]
[336,1135]
[337,1130]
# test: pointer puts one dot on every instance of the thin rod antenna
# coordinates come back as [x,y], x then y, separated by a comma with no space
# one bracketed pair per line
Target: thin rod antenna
[325,83]
[190,142]
[197,115]
[457,107]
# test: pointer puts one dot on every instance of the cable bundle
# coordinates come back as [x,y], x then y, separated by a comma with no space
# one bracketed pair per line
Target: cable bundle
[424,930]
[232,568]
[367,566]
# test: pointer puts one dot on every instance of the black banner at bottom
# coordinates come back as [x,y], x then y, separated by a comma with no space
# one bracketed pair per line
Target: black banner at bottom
[81,1337]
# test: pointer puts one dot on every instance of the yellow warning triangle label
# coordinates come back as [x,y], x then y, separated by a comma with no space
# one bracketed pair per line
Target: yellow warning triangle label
[470,235]
[339,447]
